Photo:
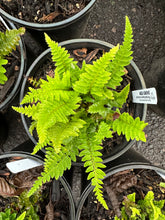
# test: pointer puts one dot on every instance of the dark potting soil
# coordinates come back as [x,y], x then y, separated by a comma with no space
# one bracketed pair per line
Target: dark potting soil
[89,55]
[46,11]
[117,187]
[12,70]
[52,203]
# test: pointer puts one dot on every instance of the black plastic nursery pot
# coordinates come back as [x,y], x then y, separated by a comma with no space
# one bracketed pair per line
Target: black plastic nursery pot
[3,129]
[115,169]
[63,30]
[14,90]
[19,156]
[139,109]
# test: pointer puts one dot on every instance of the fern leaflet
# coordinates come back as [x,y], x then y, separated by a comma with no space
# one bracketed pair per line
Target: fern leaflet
[130,127]
[8,42]
[122,58]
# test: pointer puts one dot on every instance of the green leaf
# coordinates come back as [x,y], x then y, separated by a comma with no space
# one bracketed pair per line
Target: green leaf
[130,127]
[95,76]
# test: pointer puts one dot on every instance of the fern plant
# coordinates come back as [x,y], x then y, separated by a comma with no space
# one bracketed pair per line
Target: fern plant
[8,42]
[73,112]
[148,208]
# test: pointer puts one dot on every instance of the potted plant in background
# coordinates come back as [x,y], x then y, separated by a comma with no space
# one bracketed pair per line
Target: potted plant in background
[74,111]
[18,172]
[60,19]
[13,65]
[133,190]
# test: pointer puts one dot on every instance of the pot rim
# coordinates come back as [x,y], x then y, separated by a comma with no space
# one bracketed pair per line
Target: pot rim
[57,25]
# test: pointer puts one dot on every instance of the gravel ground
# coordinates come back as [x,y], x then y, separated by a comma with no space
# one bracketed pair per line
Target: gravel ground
[107,23]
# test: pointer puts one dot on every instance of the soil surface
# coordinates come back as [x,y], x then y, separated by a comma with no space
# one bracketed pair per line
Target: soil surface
[43,11]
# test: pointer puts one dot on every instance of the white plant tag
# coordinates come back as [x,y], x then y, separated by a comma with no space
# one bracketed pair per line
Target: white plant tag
[145,96]
[21,165]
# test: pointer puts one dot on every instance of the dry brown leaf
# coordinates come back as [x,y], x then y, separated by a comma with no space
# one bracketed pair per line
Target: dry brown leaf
[49,17]
[5,189]
[49,211]
[80,52]
[91,55]
[26,178]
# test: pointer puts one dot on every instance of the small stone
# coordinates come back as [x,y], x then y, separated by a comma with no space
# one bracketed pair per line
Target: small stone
[133,10]
[77,6]
[114,30]
[16,68]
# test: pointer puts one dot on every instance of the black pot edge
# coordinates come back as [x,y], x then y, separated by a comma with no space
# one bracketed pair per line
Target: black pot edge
[46,27]
[62,179]
[14,91]
[113,170]
[76,42]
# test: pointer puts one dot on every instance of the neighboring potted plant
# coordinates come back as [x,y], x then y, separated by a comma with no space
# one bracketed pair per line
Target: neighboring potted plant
[9,39]
[61,19]
[132,191]
[78,108]
[52,201]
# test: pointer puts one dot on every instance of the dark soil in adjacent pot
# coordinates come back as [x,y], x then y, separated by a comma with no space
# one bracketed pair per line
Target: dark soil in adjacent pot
[117,187]
[43,11]
[53,202]
[14,72]
[89,53]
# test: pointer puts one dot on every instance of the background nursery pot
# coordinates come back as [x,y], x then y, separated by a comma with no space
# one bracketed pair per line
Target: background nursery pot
[12,93]
[72,27]
[115,170]
[139,109]
[21,155]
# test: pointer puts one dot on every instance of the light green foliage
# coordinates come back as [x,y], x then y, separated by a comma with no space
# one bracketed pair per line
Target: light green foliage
[73,112]
[8,42]
[10,215]
[29,205]
[143,209]
[22,216]
[131,128]
[162,185]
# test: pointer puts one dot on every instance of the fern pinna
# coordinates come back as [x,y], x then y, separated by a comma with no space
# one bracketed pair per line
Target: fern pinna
[73,112]
[8,42]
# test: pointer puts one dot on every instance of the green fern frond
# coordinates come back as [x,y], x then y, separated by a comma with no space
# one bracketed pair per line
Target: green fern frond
[61,131]
[119,98]
[40,146]
[130,127]
[104,106]
[30,110]
[122,58]
[3,78]
[60,56]
[52,111]
[91,156]
[95,76]
[54,166]
[8,42]
[32,96]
